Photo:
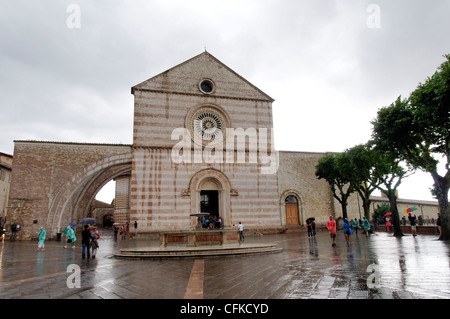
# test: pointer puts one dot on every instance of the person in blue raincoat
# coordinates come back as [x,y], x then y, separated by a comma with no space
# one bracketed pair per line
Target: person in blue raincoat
[355,225]
[347,230]
[366,225]
[71,238]
[42,234]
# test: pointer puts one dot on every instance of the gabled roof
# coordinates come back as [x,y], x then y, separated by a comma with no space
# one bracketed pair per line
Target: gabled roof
[185,77]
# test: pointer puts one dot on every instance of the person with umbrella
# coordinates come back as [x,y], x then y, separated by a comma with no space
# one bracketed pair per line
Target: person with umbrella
[388,221]
[412,221]
[309,226]
[85,242]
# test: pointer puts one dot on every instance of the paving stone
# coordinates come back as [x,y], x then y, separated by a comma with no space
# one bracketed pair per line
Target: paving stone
[418,270]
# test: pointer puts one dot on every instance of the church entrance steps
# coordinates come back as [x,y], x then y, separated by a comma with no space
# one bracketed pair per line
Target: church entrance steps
[209,251]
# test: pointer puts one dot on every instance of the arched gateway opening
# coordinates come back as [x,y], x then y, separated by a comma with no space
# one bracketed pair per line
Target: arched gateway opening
[74,199]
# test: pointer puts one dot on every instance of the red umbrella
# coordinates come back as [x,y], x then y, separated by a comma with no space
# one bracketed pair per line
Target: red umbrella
[387,214]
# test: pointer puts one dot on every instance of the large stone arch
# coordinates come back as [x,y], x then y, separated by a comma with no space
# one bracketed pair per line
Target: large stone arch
[73,199]
[223,186]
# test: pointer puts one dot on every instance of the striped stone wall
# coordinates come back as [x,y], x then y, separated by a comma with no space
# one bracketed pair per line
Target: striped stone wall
[164,192]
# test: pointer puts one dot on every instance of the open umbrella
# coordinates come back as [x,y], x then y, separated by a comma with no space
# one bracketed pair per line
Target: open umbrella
[310,219]
[409,210]
[72,224]
[387,214]
[88,220]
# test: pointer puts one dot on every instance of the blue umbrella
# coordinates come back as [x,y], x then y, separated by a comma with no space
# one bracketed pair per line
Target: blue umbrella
[72,224]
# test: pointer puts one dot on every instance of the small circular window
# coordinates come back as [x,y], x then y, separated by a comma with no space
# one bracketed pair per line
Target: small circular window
[207,86]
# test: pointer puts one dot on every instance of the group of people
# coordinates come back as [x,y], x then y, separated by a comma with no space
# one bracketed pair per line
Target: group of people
[124,230]
[212,222]
[347,225]
[89,239]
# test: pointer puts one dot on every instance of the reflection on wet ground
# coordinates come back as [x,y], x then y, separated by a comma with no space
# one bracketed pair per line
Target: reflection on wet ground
[380,267]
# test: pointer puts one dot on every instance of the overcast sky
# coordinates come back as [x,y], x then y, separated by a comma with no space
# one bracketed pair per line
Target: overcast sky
[329,65]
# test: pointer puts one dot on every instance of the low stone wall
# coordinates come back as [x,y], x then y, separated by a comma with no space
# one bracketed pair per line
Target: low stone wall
[201,237]
[431,230]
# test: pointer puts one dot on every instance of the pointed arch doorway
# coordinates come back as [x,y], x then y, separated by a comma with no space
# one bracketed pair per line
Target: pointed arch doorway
[209,197]
[210,192]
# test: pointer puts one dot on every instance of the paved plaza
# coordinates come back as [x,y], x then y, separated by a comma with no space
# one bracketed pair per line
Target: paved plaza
[378,267]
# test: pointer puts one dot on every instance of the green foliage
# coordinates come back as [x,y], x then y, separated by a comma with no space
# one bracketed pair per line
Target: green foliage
[417,131]
[336,169]
[380,210]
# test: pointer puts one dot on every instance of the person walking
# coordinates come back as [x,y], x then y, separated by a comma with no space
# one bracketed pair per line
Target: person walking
[116,230]
[42,234]
[331,226]
[135,228]
[85,242]
[347,230]
[123,232]
[65,236]
[71,238]
[355,225]
[366,225]
[412,222]
[438,223]
[241,232]
[95,236]
[388,224]
[309,227]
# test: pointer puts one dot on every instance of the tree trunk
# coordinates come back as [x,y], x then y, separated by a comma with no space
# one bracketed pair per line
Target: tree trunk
[366,206]
[344,208]
[395,216]
[442,187]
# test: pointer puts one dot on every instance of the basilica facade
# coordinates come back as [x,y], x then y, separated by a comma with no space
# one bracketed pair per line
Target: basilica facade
[202,142]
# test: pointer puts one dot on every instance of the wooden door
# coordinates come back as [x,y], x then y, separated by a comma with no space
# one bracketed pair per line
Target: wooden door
[292,214]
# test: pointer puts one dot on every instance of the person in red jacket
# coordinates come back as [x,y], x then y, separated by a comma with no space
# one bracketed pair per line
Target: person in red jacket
[331,226]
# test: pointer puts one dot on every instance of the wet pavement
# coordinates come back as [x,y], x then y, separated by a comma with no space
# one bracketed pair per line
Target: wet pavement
[378,267]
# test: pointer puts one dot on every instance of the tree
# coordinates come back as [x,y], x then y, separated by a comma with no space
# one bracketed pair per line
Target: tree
[430,105]
[364,162]
[386,141]
[418,130]
[391,174]
[335,169]
[380,211]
